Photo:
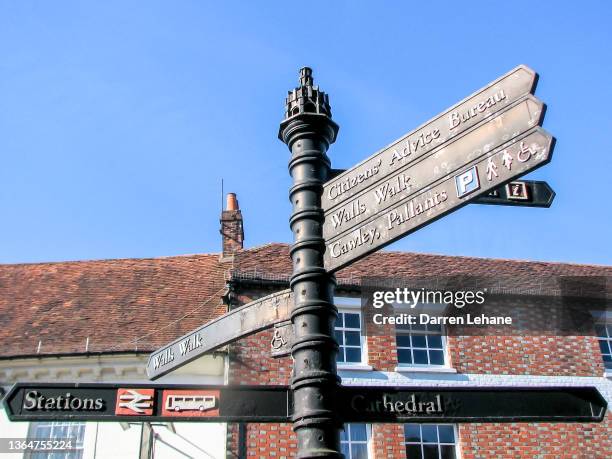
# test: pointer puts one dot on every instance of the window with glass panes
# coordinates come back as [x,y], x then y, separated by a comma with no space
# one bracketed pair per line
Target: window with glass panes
[354,441]
[420,344]
[430,441]
[348,336]
[604,335]
[74,431]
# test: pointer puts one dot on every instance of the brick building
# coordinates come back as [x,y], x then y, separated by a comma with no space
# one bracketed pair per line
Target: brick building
[99,320]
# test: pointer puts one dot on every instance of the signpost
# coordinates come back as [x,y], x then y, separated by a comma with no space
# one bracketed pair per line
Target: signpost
[194,403]
[472,152]
[236,324]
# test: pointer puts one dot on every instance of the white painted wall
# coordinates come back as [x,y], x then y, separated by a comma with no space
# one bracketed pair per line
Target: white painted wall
[108,439]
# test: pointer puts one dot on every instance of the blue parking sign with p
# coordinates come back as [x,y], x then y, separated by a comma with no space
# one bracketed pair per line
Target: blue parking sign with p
[467,182]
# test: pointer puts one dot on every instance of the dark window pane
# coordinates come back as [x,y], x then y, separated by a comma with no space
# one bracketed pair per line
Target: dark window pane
[351,320]
[359,451]
[430,433]
[447,452]
[420,356]
[430,452]
[403,340]
[607,358]
[608,365]
[447,434]
[353,354]
[358,432]
[600,330]
[352,338]
[339,337]
[418,341]
[412,432]
[604,346]
[436,357]
[434,341]
[341,357]
[345,450]
[403,356]
[343,436]
[340,320]
[413,452]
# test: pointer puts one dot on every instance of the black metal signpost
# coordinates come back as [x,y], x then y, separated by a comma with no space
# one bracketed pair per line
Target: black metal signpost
[308,131]
[194,403]
[471,153]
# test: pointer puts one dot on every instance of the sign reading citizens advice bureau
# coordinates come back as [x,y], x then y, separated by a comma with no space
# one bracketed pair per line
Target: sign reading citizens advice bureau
[446,163]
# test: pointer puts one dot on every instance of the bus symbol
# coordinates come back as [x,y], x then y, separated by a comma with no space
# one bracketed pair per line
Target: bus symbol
[190,402]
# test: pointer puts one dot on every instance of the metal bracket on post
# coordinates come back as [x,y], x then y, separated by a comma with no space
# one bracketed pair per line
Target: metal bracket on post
[308,131]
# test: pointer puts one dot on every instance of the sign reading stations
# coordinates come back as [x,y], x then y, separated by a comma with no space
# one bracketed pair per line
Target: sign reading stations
[146,402]
[240,322]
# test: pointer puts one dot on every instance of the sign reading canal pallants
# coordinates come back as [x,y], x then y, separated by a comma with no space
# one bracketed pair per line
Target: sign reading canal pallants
[498,95]
[449,193]
[125,402]
[108,402]
[240,322]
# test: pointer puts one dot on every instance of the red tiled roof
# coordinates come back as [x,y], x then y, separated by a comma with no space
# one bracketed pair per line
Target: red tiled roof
[142,304]
[272,260]
[119,305]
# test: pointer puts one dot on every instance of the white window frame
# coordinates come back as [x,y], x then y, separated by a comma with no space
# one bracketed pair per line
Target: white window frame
[604,317]
[457,445]
[352,305]
[423,367]
[368,441]
[32,434]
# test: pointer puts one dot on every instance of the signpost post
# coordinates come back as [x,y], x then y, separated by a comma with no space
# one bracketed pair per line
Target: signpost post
[308,131]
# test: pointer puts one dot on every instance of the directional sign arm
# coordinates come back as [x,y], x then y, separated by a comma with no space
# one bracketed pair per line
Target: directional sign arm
[238,323]
[523,193]
[539,194]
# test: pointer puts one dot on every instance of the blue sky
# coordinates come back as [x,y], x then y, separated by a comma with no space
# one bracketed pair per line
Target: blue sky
[119,119]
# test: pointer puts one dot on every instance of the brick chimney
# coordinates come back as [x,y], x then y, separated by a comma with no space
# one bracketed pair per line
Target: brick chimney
[232,231]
